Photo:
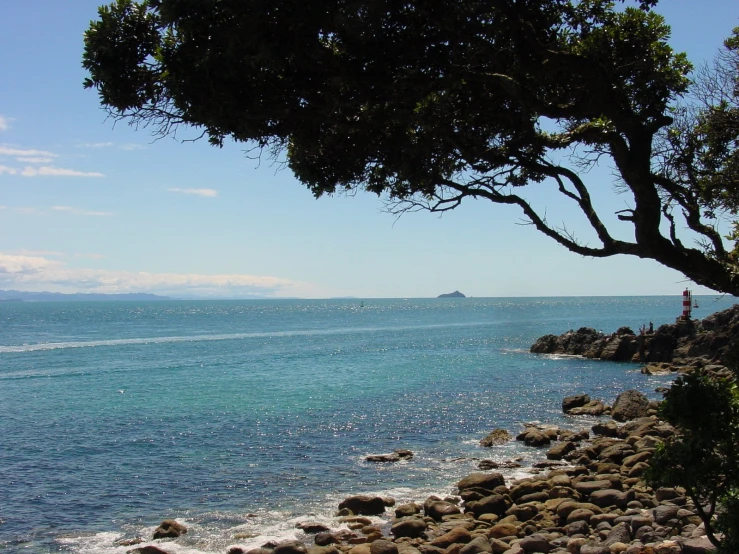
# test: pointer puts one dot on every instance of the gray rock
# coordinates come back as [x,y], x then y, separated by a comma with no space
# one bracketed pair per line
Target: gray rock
[575,401]
[700,545]
[496,437]
[620,533]
[383,547]
[477,545]
[630,404]
[664,513]
[535,543]
[487,481]
[411,527]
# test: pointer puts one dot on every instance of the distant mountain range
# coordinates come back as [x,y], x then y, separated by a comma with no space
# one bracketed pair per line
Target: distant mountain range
[23,296]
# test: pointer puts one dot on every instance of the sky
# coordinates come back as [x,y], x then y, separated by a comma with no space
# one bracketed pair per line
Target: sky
[87,205]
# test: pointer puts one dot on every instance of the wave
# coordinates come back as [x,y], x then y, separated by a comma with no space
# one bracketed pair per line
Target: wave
[219,337]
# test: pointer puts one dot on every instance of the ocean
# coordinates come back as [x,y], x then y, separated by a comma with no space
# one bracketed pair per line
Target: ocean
[242,418]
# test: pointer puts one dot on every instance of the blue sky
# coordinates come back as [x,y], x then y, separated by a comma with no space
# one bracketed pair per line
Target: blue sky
[89,206]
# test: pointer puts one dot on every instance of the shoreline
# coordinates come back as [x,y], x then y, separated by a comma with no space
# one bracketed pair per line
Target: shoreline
[586,496]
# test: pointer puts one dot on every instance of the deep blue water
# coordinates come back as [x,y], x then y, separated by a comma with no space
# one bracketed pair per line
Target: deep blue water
[243,416]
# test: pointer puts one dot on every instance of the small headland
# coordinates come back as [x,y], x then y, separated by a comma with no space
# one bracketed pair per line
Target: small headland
[682,346]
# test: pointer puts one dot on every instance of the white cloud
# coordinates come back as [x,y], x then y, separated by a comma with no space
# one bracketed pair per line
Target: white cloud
[95,145]
[4,123]
[28,211]
[130,147]
[78,211]
[8,170]
[40,273]
[35,160]
[48,171]
[210,193]
[16,152]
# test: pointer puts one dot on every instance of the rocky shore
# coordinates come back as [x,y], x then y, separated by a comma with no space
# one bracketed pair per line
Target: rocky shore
[587,496]
[680,346]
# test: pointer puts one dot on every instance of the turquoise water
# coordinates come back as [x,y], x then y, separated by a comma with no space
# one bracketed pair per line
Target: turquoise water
[245,416]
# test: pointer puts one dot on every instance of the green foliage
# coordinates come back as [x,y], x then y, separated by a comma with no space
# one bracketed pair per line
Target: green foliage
[431,102]
[703,456]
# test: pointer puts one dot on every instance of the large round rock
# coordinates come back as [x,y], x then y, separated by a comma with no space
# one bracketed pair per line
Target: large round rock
[630,404]
[487,481]
[169,529]
[364,505]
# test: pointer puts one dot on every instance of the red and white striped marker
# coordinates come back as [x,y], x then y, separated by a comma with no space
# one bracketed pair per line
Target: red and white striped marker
[687,304]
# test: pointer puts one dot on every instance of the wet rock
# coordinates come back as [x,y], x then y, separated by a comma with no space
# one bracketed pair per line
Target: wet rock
[312,527]
[493,504]
[486,465]
[592,408]
[496,437]
[558,451]
[168,529]
[147,550]
[394,456]
[364,505]
[630,404]
[412,527]
[575,401]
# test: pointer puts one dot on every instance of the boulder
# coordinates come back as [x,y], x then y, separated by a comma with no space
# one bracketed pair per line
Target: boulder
[169,529]
[394,456]
[487,481]
[630,404]
[411,527]
[493,504]
[312,527]
[496,437]
[383,547]
[592,408]
[558,451]
[575,401]
[146,550]
[409,509]
[290,547]
[535,543]
[699,545]
[364,505]
[478,545]
[456,535]
[501,530]
[609,497]
[437,509]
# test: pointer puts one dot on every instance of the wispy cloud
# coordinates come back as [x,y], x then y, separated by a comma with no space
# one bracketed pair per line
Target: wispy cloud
[27,211]
[36,160]
[40,273]
[4,123]
[78,211]
[131,146]
[8,170]
[95,145]
[19,152]
[210,193]
[49,171]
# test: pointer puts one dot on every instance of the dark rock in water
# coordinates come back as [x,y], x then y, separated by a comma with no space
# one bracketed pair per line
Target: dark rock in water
[685,343]
[575,401]
[169,529]
[409,509]
[364,505]
[394,456]
[130,541]
[455,294]
[630,404]
[593,408]
[495,438]
[487,464]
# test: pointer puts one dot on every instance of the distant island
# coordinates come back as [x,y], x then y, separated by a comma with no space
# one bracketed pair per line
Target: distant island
[24,296]
[455,294]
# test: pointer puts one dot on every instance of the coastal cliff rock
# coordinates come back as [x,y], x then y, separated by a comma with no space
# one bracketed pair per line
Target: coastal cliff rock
[682,344]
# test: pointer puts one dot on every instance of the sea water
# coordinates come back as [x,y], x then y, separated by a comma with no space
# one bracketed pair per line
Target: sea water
[241,418]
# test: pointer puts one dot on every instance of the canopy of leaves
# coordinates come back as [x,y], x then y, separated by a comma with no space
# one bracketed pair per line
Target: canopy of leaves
[430,102]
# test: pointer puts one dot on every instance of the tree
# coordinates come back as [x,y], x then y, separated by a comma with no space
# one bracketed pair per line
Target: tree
[703,457]
[429,103]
